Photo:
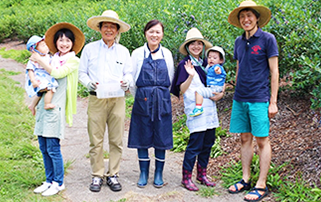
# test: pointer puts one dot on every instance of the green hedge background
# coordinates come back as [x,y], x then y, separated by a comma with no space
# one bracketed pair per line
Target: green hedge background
[296,25]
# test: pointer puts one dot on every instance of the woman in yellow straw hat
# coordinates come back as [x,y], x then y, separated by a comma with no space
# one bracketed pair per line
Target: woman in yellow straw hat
[190,76]
[105,64]
[256,53]
[64,41]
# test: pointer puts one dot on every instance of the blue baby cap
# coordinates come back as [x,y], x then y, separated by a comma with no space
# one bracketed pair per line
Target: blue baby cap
[33,41]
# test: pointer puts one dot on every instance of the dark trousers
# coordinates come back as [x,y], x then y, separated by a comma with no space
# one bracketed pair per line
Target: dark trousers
[199,146]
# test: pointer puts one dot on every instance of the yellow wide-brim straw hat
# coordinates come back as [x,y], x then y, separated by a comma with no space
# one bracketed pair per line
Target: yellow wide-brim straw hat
[265,13]
[107,16]
[193,35]
[79,36]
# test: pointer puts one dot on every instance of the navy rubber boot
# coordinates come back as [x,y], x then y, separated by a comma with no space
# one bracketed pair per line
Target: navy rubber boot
[158,175]
[159,167]
[144,172]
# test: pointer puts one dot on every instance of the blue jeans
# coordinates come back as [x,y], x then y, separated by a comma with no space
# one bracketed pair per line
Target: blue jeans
[52,159]
[199,146]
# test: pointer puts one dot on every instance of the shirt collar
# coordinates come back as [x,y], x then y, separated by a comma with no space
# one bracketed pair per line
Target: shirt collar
[147,49]
[200,60]
[257,34]
[147,52]
[102,43]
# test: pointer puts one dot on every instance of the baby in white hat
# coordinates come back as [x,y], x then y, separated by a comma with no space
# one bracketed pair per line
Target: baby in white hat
[215,78]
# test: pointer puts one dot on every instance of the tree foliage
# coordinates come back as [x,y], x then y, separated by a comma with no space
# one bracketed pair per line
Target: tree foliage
[296,25]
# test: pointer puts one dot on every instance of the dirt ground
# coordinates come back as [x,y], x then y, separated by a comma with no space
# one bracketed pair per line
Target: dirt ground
[75,149]
[295,138]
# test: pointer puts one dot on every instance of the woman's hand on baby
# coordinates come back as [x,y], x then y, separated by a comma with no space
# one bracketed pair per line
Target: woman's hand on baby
[35,84]
[189,68]
[217,96]
[35,57]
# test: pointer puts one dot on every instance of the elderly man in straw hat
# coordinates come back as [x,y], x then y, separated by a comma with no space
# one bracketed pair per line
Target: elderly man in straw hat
[105,69]
[256,53]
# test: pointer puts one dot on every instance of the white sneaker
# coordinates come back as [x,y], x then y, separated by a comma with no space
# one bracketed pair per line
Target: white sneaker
[54,189]
[42,188]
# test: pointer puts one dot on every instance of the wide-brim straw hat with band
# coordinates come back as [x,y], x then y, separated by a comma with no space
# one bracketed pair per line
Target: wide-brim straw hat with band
[79,36]
[218,49]
[107,16]
[265,13]
[194,35]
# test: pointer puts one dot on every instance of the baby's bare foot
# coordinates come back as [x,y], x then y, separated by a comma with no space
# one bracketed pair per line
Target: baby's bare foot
[32,109]
[49,106]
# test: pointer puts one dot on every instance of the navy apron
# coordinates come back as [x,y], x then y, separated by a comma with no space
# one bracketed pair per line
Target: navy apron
[151,120]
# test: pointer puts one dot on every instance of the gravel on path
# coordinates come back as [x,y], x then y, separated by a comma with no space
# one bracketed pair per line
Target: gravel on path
[75,149]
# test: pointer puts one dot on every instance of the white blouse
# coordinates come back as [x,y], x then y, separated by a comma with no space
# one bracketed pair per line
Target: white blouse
[137,59]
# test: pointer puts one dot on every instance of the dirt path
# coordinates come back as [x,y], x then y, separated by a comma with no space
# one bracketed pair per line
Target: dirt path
[75,149]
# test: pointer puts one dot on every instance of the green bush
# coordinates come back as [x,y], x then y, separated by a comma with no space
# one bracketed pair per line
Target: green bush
[298,191]
[180,134]
[216,149]
[296,25]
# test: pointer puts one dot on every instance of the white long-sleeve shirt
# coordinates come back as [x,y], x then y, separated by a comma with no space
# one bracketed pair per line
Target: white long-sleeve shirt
[101,64]
[137,59]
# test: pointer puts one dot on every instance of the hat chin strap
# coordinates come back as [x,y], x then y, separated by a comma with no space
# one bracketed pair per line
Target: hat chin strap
[249,32]
[42,54]
[195,60]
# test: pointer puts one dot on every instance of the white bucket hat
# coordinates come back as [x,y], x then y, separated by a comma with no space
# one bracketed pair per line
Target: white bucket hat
[193,35]
[107,16]
[218,49]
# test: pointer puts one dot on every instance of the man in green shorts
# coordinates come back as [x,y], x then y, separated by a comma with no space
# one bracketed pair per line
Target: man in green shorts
[254,103]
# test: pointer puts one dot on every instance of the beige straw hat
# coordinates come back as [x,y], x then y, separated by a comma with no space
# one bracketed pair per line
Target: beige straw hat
[194,35]
[50,34]
[107,16]
[265,13]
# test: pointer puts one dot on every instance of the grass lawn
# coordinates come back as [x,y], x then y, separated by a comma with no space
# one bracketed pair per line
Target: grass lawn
[21,167]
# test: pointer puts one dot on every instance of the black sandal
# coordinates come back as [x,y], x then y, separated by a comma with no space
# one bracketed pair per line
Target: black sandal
[255,191]
[246,186]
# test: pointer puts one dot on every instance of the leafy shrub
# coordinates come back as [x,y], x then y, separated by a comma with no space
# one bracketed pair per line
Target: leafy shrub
[296,25]
[180,134]
[82,91]
[216,149]
[181,137]
[298,191]
[129,104]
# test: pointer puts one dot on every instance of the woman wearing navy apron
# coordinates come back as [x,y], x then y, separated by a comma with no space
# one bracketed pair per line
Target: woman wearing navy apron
[151,121]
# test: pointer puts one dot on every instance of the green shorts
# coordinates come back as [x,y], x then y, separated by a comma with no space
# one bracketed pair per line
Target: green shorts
[250,117]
